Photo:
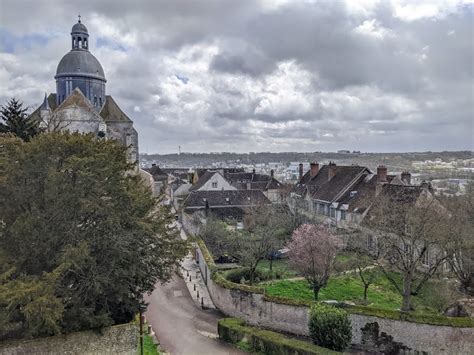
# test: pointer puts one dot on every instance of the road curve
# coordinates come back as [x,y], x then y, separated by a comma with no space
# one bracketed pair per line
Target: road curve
[181,327]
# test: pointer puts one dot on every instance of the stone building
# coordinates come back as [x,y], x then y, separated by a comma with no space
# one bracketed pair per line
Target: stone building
[80,103]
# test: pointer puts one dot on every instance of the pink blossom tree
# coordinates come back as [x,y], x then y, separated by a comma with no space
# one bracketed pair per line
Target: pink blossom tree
[312,252]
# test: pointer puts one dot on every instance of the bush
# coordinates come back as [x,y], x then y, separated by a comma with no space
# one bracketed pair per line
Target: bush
[241,275]
[330,327]
[261,341]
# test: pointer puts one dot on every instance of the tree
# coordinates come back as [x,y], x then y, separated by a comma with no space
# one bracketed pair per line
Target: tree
[81,238]
[411,228]
[312,253]
[364,265]
[15,120]
[272,224]
[460,248]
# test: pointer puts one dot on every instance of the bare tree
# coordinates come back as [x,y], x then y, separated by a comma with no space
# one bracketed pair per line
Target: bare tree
[460,248]
[313,249]
[410,228]
[272,224]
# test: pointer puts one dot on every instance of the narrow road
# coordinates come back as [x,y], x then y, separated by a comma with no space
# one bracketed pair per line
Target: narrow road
[181,327]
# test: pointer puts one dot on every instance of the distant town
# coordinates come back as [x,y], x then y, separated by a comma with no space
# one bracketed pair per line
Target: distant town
[448,172]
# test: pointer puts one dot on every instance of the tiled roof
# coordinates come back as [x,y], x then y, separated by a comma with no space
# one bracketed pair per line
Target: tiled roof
[112,112]
[225,198]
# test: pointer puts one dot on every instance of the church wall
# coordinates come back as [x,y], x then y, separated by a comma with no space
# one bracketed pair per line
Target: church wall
[76,119]
[126,135]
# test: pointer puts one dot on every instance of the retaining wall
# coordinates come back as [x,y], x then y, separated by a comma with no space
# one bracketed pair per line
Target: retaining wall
[406,337]
[119,339]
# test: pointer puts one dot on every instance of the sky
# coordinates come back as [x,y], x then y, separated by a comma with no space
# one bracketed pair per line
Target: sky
[261,75]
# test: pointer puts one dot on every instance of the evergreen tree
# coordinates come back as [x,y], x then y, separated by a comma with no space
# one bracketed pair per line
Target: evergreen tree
[15,120]
[81,238]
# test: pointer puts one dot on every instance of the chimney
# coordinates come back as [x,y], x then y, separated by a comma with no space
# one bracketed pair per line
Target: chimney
[300,171]
[406,177]
[314,169]
[332,170]
[425,185]
[153,164]
[253,171]
[381,173]
[272,173]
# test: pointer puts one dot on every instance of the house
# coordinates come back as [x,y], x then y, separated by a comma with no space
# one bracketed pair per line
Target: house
[340,195]
[211,181]
[230,205]
[160,179]
[271,187]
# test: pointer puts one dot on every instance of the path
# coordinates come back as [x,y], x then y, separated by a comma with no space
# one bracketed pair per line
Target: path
[181,327]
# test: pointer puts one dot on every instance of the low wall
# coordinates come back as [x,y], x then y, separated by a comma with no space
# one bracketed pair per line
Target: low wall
[367,331]
[119,339]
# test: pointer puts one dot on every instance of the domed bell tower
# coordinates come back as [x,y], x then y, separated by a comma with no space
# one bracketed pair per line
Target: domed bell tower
[80,69]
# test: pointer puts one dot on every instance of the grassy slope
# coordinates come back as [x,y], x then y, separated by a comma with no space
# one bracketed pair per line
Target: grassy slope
[349,288]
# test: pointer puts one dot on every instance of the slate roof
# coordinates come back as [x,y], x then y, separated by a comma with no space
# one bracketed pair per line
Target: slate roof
[360,196]
[225,199]
[257,181]
[321,188]
[80,62]
[52,105]
[157,173]
[203,179]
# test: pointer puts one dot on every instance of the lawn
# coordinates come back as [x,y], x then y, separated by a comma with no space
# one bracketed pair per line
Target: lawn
[381,294]
[279,265]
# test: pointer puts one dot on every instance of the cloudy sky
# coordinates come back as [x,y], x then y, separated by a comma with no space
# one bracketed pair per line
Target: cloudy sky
[262,75]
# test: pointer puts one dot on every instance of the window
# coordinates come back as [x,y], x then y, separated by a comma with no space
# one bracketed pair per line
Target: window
[371,242]
[343,214]
[214,184]
[426,258]
[333,212]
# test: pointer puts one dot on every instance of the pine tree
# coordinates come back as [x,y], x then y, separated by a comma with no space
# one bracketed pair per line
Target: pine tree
[15,120]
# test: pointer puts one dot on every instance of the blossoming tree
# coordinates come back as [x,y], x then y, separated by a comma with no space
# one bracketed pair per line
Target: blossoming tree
[312,253]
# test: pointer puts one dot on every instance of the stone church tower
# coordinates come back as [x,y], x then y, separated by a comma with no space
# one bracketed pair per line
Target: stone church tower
[80,103]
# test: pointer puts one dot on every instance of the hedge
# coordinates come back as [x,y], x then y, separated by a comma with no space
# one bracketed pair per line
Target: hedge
[206,254]
[219,279]
[234,330]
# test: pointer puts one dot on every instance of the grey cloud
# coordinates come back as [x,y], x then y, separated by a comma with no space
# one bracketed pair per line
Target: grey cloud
[410,90]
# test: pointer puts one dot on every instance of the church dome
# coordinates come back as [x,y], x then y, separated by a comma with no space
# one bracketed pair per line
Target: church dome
[80,63]
[79,28]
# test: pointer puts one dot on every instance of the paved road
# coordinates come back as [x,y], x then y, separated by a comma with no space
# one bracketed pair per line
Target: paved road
[181,327]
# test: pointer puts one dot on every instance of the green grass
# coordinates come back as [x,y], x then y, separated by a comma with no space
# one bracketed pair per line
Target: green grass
[149,348]
[279,265]
[381,294]
[339,288]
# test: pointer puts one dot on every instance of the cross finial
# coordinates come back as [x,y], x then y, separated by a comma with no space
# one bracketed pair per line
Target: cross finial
[79,16]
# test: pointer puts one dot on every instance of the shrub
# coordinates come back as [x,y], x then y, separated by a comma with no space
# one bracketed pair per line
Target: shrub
[330,327]
[242,275]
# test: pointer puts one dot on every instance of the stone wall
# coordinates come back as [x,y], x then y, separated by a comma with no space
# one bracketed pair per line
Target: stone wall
[408,337]
[119,339]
